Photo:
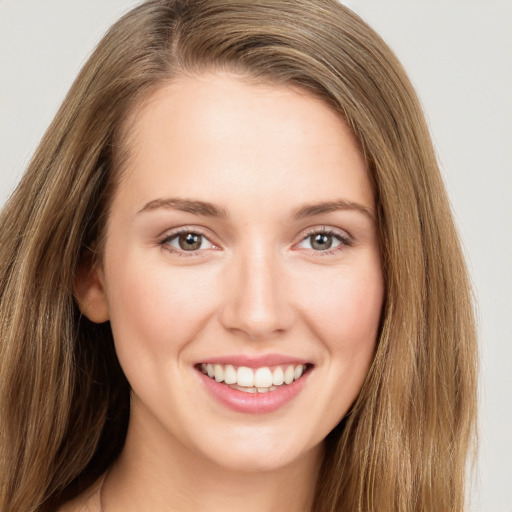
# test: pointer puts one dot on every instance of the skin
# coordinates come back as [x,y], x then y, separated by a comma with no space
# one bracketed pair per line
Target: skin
[256,286]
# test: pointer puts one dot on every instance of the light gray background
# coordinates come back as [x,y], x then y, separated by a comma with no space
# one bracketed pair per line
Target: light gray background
[459,56]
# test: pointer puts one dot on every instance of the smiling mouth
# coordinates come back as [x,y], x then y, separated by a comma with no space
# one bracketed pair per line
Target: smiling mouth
[254,380]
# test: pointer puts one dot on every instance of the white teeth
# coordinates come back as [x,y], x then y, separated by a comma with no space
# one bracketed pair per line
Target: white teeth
[229,374]
[296,374]
[245,377]
[288,375]
[263,378]
[219,373]
[260,380]
[278,376]
[247,389]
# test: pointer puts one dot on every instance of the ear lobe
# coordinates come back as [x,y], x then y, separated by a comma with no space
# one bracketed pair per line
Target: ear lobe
[89,292]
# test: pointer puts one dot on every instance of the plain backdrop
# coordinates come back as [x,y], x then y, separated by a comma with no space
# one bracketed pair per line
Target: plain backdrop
[459,56]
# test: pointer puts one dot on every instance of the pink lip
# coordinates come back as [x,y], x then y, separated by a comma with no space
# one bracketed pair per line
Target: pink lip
[253,403]
[255,361]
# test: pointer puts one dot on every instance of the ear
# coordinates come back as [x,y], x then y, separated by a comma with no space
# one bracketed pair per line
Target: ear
[89,292]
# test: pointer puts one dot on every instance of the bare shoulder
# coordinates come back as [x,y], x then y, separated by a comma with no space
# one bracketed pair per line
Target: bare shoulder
[87,501]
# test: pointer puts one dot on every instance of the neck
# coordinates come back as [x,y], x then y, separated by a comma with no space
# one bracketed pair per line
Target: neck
[156,472]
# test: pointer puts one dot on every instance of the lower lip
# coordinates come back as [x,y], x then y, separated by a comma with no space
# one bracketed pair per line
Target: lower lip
[254,403]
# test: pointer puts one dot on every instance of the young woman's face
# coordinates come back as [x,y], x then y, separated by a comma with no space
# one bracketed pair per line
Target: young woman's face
[241,271]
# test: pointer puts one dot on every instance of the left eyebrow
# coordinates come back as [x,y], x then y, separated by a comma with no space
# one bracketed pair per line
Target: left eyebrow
[313,209]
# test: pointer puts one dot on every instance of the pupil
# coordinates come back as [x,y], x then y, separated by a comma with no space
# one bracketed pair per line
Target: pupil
[321,241]
[190,241]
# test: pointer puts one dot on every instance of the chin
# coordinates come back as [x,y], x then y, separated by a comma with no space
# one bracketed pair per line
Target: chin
[260,453]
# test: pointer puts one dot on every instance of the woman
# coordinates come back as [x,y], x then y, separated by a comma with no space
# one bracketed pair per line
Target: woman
[230,277]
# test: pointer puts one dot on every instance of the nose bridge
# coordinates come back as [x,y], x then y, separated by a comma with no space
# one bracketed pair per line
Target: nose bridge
[257,303]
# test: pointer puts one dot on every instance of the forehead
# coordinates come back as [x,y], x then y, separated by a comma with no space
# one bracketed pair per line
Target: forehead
[220,134]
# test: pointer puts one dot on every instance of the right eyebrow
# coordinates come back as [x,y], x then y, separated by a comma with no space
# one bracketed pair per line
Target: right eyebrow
[185,205]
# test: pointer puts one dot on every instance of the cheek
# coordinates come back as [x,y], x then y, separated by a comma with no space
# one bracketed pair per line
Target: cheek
[155,308]
[347,320]
[347,314]
[344,318]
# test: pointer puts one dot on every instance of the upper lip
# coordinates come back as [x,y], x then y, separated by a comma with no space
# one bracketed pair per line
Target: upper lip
[257,361]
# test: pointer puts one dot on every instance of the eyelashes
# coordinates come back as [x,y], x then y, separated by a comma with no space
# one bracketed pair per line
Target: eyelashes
[192,241]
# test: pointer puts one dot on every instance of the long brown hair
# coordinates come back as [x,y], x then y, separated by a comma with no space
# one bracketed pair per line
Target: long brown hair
[64,401]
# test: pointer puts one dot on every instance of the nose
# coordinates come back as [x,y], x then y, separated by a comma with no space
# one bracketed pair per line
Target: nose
[256,302]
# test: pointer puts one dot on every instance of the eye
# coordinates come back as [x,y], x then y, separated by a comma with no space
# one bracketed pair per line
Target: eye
[324,241]
[187,241]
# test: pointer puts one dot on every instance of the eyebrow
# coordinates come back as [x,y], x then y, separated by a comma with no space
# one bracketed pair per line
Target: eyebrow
[186,205]
[311,210]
